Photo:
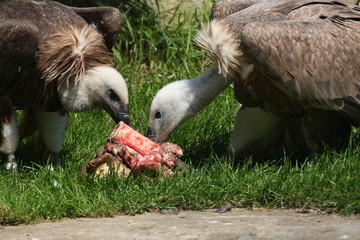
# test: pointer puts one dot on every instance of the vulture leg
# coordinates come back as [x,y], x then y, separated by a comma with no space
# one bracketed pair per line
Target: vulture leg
[264,135]
[51,127]
[9,135]
[325,128]
[256,133]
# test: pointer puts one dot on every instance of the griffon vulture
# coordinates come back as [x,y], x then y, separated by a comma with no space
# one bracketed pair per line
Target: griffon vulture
[56,59]
[296,72]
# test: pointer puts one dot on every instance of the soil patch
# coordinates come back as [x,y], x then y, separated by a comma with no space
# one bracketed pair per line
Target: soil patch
[234,224]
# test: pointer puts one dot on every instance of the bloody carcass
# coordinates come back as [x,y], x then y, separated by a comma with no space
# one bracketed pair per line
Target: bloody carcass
[127,150]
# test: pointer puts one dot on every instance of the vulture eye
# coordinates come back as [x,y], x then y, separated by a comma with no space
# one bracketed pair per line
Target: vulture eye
[113,96]
[158,115]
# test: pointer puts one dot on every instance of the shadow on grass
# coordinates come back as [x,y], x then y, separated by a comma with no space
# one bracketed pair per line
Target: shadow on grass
[214,150]
[28,159]
[201,153]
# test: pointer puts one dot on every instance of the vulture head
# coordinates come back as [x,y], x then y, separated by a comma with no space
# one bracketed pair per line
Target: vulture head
[178,101]
[170,107]
[78,62]
[100,87]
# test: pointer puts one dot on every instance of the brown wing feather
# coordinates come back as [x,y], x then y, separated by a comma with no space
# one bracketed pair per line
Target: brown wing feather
[223,8]
[13,52]
[16,56]
[46,15]
[311,62]
[288,10]
[106,19]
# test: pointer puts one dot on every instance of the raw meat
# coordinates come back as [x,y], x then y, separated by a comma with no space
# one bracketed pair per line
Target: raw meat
[127,150]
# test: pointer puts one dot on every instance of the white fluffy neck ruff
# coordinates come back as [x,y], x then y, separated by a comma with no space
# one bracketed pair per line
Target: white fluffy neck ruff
[89,92]
[221,46]
[69,51]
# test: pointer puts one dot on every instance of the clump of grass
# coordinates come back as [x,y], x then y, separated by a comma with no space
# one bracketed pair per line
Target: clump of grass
[147,39]
[32,196]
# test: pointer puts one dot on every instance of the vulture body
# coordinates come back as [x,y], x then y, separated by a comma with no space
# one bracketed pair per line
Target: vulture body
[295,69]
[56,59]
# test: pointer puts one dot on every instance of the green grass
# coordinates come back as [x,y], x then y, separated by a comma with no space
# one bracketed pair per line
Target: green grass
[149,58]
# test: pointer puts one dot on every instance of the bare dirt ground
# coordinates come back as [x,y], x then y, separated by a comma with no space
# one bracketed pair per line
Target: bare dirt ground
[234,224]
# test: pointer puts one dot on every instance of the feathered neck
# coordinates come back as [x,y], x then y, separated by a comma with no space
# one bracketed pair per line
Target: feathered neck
[67,53]
[202,90]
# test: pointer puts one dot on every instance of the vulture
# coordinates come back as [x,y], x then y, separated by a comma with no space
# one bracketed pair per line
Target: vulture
[56,59]
[296,71]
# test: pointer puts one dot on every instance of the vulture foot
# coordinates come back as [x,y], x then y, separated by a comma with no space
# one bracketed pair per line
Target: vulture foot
[54,159]
[11,164]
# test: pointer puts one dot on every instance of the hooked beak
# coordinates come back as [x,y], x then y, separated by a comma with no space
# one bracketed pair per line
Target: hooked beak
[123,114]
[151,134]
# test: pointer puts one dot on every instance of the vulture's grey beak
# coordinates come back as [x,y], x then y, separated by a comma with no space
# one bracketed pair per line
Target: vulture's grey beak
[123,114]
[151,134]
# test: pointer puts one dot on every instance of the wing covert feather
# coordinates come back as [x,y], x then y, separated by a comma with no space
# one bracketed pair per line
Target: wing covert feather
[223,8]
[106,19]
[313,62]
[18,44]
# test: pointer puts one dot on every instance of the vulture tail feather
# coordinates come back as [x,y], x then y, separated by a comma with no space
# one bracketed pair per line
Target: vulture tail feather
[221,46]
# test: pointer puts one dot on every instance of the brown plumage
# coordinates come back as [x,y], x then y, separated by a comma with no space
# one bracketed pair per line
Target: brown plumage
[57,59]
[224,8]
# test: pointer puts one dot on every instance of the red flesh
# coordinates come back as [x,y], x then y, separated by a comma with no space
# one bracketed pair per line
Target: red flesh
[138,152]
[133,139]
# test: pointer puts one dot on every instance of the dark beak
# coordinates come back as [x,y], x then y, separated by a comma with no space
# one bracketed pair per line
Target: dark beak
[151,135]
[123,114]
